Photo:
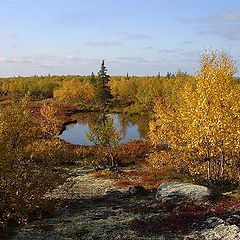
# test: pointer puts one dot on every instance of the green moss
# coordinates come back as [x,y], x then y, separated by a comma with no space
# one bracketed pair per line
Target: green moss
[80,231]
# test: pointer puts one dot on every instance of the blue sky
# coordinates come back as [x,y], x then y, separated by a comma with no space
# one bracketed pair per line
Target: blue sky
[134,36]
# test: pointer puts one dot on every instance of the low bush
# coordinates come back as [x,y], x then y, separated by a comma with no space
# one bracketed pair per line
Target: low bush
[27,165]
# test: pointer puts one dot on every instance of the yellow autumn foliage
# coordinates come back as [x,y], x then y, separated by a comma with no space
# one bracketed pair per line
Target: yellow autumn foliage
[27,164]
[124,88]
[203,124]
[74,90]
[50,121]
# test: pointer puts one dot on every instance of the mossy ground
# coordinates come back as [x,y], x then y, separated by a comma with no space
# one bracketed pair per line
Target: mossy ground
[104,210]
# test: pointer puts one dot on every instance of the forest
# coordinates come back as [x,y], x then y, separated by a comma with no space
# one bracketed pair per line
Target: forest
[193,133]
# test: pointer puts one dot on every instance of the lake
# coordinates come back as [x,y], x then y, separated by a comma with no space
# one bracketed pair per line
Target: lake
[131,127]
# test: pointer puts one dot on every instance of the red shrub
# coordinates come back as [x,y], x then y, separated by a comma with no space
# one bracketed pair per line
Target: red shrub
[226,206]
[124,183]
[131,151]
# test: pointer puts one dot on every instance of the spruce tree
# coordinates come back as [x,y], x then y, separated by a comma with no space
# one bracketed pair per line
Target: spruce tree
[92,78]
[103,92]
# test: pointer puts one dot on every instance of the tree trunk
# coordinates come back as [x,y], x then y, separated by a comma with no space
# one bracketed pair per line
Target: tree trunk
[208,165]
[222,160]
[112,159]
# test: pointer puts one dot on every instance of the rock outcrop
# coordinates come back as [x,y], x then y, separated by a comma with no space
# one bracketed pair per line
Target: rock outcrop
[175,192]
[137,190]
[214,228]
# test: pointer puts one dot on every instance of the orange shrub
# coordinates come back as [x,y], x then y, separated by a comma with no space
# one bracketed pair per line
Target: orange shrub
[132,151]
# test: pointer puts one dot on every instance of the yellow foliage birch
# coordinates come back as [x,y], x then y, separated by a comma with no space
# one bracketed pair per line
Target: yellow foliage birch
[75,91]
[206,120]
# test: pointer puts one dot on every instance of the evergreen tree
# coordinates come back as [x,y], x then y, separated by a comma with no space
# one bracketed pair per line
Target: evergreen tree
[92,78]
[103,92]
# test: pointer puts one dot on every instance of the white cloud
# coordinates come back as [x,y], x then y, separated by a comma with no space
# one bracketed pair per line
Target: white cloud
[185,42]
[73,58]
[134,59]
[226,32]
[227,17]
[147,48]
[8,34]
[226,25]
[19,60]
[136,36]
[170,51]
[103,43]
[185,20]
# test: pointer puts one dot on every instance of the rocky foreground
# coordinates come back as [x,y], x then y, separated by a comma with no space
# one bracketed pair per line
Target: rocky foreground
[93,208]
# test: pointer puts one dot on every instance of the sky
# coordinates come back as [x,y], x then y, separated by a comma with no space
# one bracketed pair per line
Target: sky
[141,37]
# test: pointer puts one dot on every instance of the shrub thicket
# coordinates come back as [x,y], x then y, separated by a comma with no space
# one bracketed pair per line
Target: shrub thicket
[200,125]
[27,164]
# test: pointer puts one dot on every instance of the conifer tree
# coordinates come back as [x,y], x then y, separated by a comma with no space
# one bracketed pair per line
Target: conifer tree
[103,92]
[92,78]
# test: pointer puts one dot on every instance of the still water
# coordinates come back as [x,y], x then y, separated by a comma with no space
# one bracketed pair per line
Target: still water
[132,128]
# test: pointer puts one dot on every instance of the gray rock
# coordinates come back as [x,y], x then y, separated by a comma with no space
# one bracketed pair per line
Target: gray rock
[114,194]
[137,190]
[214,228]
[233,219]
[175,192]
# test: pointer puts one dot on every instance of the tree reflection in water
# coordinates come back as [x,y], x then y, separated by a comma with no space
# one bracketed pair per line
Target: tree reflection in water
[131,127]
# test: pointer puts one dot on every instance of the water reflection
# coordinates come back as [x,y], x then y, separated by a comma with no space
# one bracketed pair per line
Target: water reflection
[132,128]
